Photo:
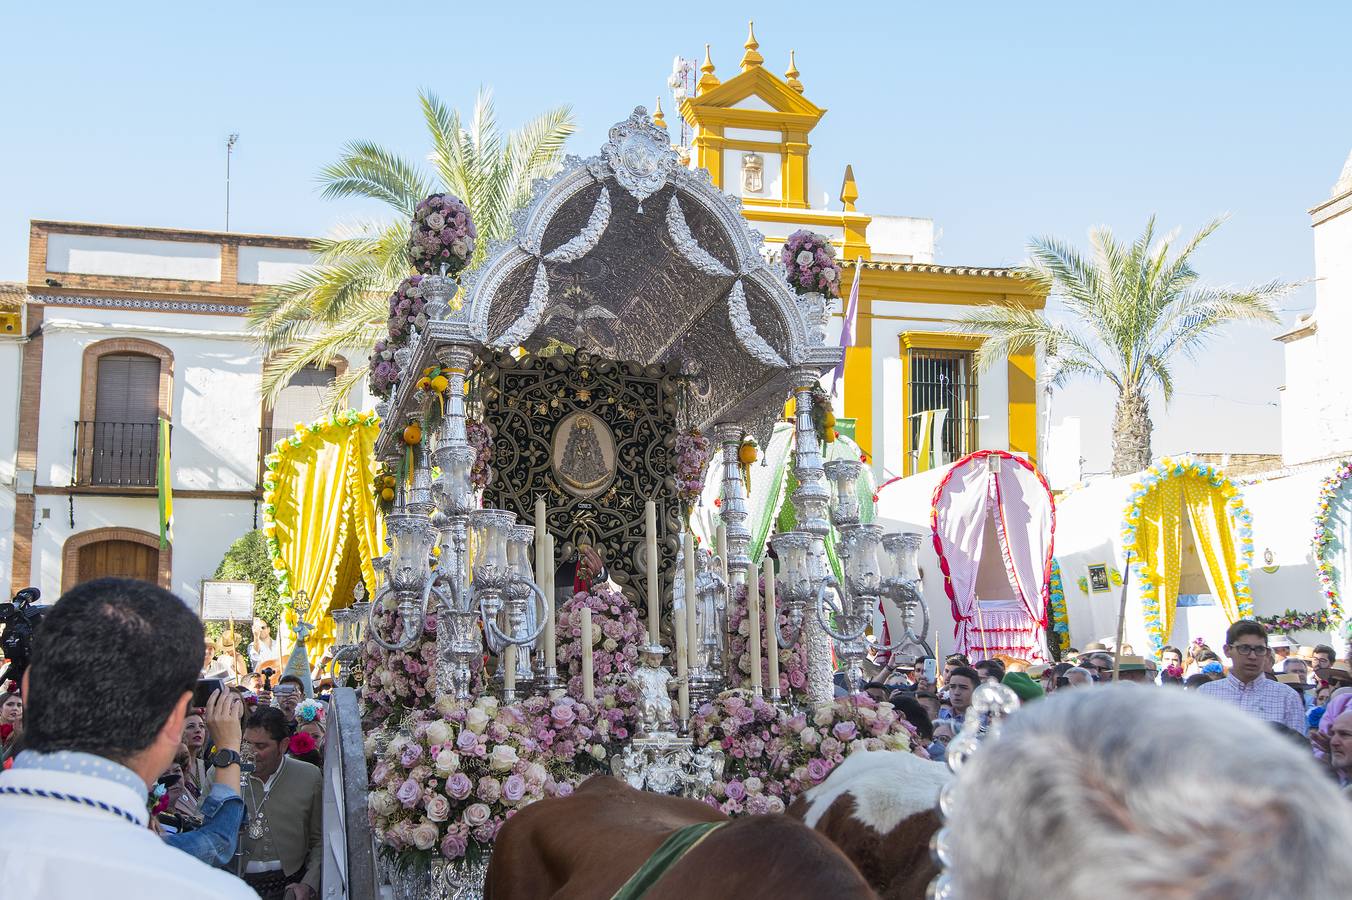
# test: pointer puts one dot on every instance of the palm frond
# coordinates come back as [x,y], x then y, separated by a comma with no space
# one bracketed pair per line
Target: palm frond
[365,169]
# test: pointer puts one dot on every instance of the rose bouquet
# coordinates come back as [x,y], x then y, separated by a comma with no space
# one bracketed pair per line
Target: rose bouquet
[384,369]
[407,311]
[394,682]
[772,757]
[810,263]
[617,634]
[448,785]
[442,236]
[693,452]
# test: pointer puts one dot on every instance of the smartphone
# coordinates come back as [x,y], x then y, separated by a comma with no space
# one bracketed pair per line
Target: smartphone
[205,688]
[283,688]
[930,668]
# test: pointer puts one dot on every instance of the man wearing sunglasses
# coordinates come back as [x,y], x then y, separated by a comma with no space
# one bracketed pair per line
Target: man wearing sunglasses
[1246,643]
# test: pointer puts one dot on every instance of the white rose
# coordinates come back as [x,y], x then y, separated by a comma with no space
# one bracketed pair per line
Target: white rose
[476,814]
[458,248]
[369,745]
[502,758]
[488,705]
[476,720]
[536,774]
[446,704]
[754,785]
[864,713]
[381,803]
[396,747]
[609,645]
[386,678]
[809,736]
[438,733]
[804,257]
[824,715]
[436,221]
[774,804]
[438,808]
[829,274]
[598,752]
[425,835]
[447,762]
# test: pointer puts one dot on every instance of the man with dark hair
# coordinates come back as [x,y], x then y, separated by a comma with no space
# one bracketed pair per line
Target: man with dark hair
[114,666]
[1246,687]
[961,683]
[283,843]
[1323,656]
[991,670]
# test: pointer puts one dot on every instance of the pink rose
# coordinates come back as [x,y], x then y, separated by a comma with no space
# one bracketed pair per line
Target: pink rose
[513,789]
[489,790]
[845,731]
[817,770]
[459,786]
[438,808]
[409,793]
[562,715]
[735,790]
[477,814]
[453,846]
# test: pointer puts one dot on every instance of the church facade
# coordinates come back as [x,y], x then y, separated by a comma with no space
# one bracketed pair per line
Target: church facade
[752,132]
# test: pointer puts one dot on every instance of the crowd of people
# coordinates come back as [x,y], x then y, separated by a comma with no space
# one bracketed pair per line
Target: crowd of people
[122,779]
[106,729]
[1306,692]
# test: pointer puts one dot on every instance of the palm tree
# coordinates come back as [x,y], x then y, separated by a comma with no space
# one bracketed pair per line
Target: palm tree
[341,302]
[1134,310]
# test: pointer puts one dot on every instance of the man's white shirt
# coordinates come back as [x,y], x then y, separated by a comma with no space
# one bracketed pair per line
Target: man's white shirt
[80,834]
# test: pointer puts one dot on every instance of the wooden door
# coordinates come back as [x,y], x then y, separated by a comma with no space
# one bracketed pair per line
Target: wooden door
[120,559]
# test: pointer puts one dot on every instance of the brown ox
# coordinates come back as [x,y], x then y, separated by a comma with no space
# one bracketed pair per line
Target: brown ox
[587,845]
[879,809]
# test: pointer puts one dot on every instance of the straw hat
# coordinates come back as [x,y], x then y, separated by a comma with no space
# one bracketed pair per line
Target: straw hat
[1338,673]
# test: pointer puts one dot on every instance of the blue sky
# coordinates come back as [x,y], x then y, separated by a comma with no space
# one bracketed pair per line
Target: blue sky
[1000,121]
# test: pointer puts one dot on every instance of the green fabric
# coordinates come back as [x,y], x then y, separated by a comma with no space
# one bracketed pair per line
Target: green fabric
[681,842]
[1022,685]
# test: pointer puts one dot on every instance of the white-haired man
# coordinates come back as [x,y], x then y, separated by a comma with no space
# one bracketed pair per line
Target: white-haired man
[1340,748]
[1099,777]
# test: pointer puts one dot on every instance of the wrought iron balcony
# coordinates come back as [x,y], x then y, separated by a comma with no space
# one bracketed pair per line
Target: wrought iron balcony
[115,454]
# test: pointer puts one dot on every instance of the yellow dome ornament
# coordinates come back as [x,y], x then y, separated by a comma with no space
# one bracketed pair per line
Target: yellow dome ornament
[746,456]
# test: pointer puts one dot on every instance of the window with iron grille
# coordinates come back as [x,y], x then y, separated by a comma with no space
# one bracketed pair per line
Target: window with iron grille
[942,382]
[121,444]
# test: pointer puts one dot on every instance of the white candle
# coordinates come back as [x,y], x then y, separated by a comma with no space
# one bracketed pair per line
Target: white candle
[509,668]
[754,630]
[721,549]
[588,687]
[691,636]
[771,617]
[650,536]
[545,576]
[540,527]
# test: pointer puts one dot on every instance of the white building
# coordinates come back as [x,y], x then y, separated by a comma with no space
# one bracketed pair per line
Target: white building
[122,326]
[1316,402]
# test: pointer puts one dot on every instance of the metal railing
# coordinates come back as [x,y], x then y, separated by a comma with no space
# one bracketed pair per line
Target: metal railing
[945,379]
[115,454]
[267,440]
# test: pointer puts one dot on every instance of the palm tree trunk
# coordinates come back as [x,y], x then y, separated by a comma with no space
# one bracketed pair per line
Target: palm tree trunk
[1131,433]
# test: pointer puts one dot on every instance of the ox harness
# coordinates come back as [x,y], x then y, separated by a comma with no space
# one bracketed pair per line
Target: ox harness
[672,851]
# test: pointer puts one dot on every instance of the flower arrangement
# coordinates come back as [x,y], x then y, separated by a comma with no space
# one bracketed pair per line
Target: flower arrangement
[773,756]
[306,438]
[1056,599]
[407,311]
[442,236]
[449,784]
[693,452]
[397,681]
[1146,579]
[1324,539]
[482,441]
[384,371]
[1291,620]
[810,263]
[617,633]
[310,711]
[792,661]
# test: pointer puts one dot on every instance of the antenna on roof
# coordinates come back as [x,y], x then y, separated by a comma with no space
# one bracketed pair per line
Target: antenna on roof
[229,150]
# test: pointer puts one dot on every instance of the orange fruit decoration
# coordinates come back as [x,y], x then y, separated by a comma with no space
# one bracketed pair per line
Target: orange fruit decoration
[413,434]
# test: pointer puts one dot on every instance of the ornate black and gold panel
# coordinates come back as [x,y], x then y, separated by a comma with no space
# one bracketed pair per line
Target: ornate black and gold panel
[596,439]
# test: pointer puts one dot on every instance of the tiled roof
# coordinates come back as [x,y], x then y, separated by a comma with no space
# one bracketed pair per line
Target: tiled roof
[12,295]
[935,268]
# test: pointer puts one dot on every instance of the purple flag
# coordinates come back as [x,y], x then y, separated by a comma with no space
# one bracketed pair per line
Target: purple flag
[847,326]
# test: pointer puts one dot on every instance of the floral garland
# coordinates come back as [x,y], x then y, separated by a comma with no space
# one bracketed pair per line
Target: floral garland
[1146,581]
[810,264]
[1291,620]
[1324,538]
[442,235]
[479,437]
[1114,576]
[1056,599]
[693,452]
[309,437]
[772,757]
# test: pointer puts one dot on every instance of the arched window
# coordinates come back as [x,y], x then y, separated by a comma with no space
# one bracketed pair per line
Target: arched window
[127,388]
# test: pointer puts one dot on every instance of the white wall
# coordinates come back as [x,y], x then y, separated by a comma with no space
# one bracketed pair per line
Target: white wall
[272,265]
[133,257]
[901,239]
[11,358]
[1300,401]
[1333,312]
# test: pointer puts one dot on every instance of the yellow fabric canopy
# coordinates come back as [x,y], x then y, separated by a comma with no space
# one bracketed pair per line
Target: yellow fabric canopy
[320,518]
